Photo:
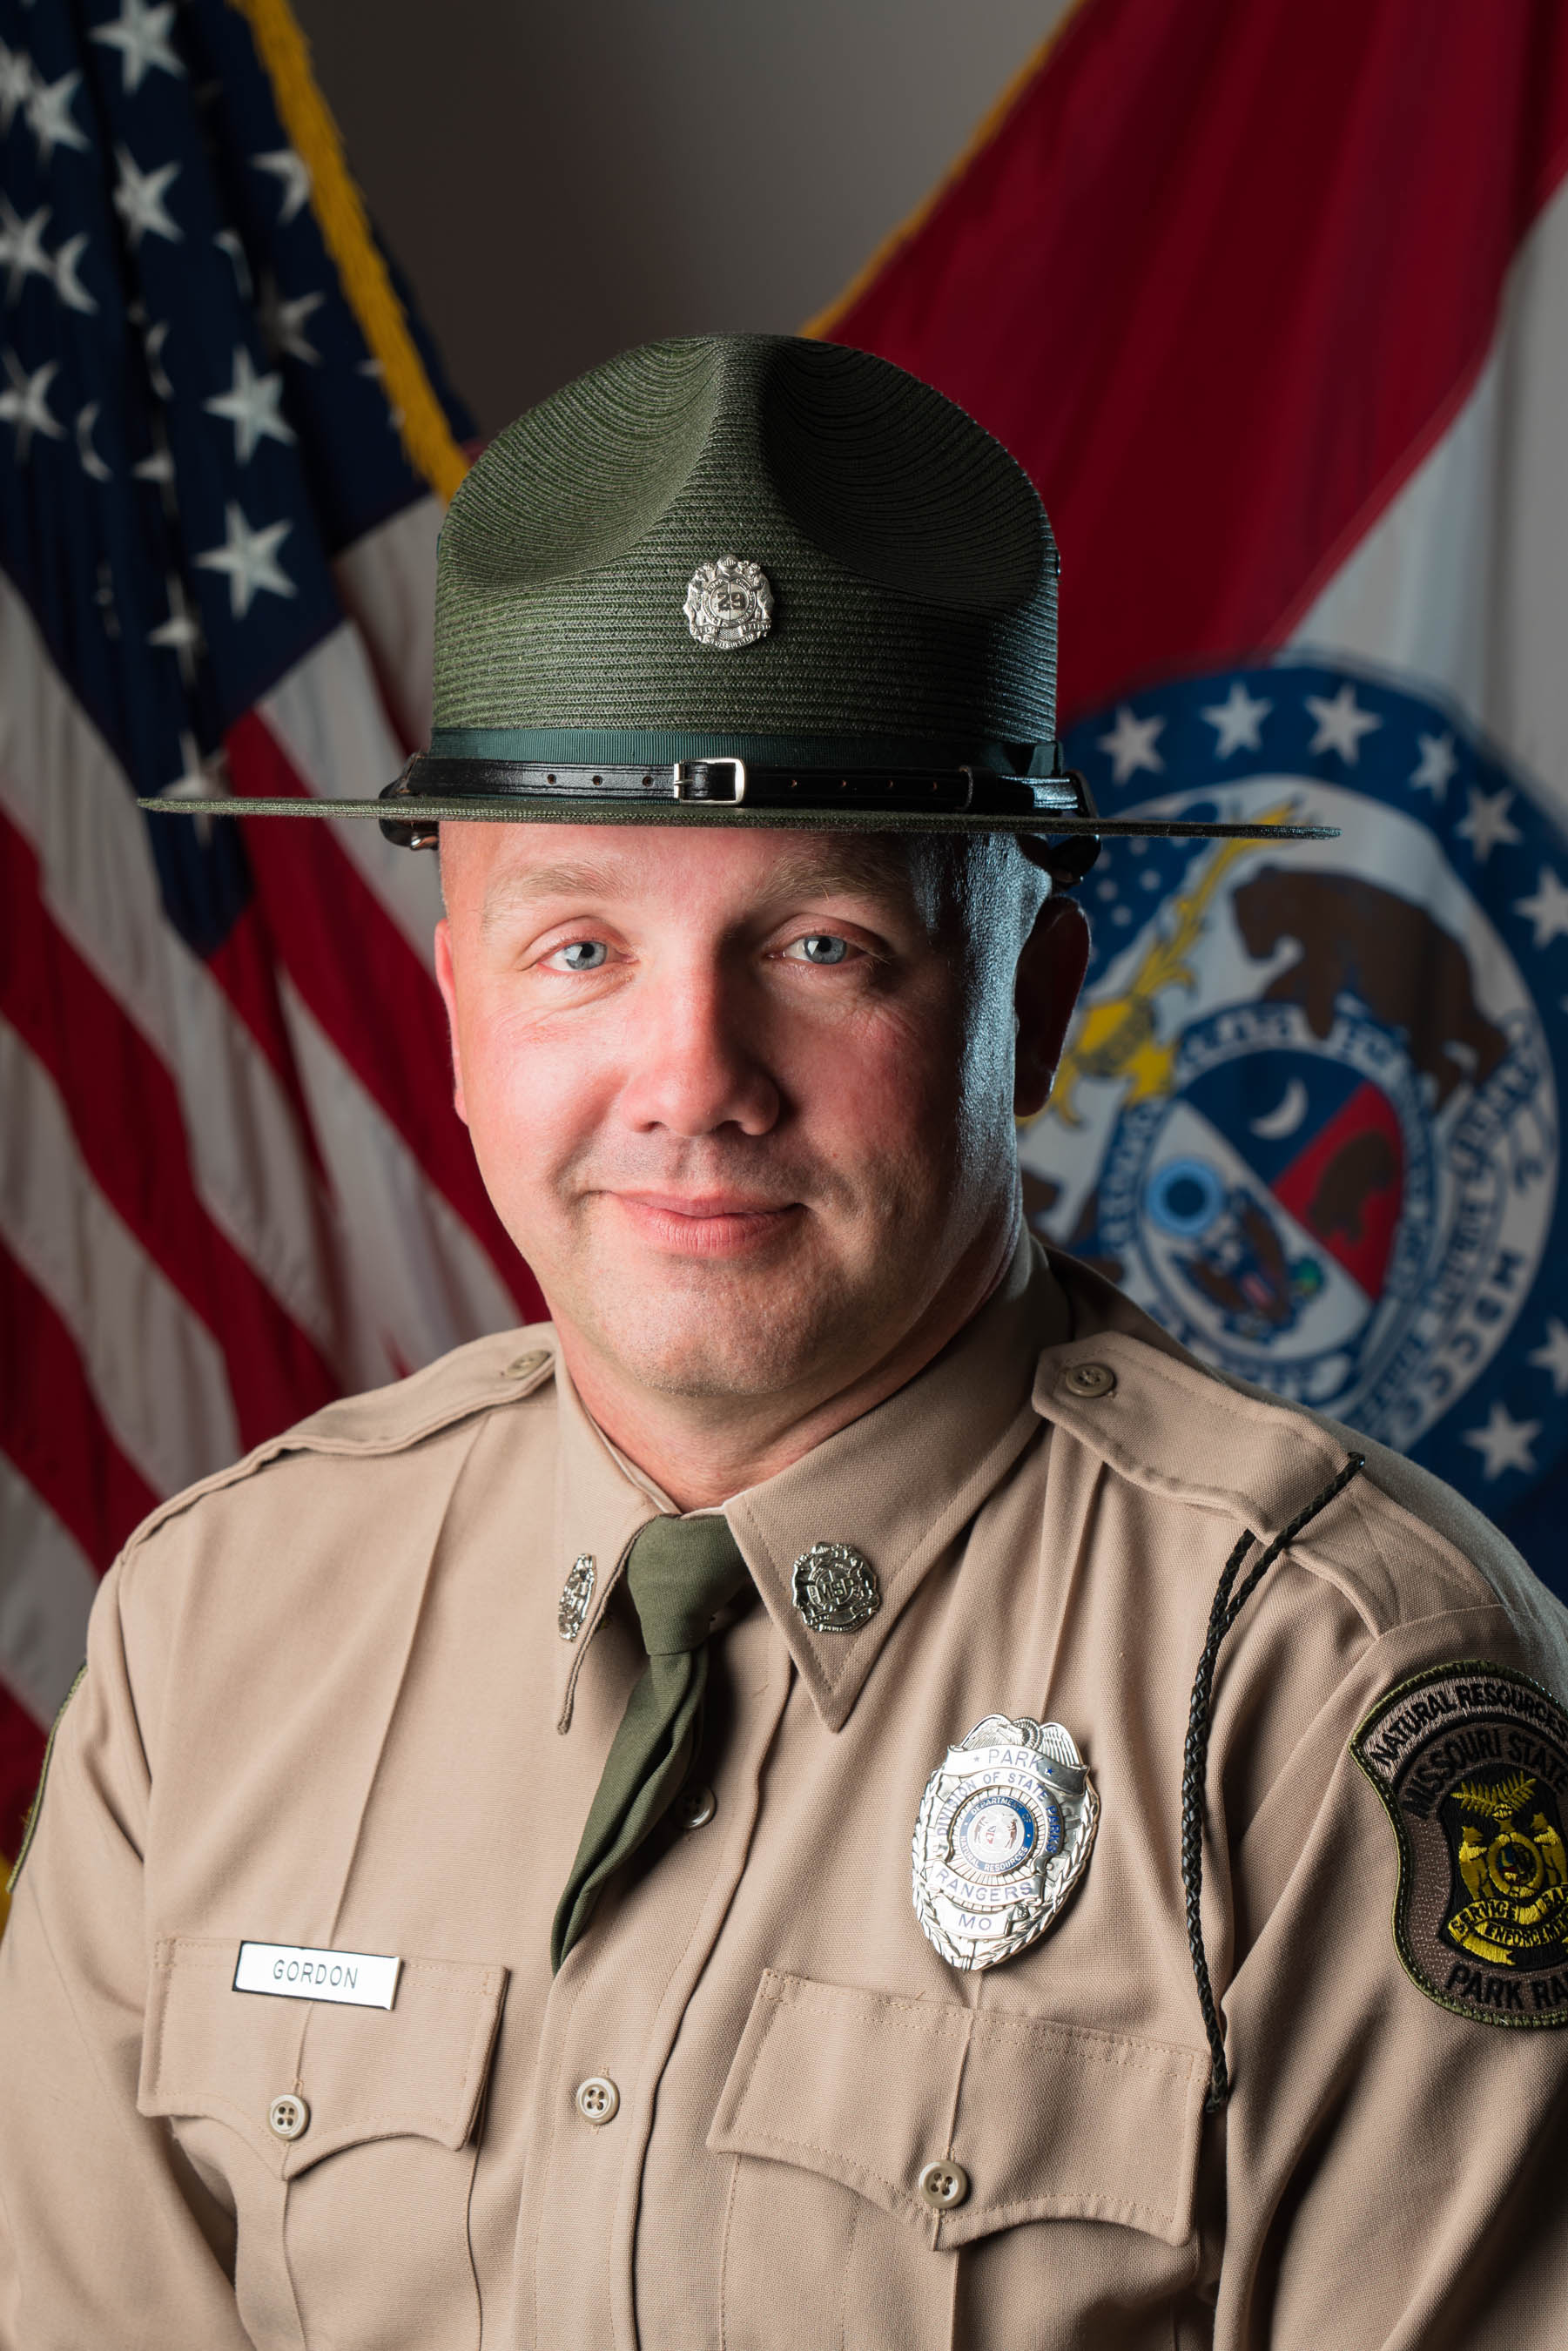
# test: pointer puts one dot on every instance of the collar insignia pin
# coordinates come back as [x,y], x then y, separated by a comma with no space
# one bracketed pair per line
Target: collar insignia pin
[576,1597]
[729,603]
[1003,1836]
[835,1587]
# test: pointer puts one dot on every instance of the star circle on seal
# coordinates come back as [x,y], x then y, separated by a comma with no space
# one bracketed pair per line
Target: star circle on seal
[835,1587]
[729,603]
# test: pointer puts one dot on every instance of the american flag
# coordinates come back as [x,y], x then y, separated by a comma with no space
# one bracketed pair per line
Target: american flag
[231,1182]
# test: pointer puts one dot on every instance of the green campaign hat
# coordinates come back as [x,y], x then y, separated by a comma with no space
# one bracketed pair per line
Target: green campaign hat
[744,580]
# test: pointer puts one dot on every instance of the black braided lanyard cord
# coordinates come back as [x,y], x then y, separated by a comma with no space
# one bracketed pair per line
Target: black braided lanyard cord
[1227,1606]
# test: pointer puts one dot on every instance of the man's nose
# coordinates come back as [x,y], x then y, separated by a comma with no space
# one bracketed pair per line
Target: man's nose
[697,1060]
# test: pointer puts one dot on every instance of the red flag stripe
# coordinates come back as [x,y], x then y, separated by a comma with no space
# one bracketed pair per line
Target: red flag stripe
[244,969]
[1219,279]
[114,1088]
[53,1430]
[382,1012]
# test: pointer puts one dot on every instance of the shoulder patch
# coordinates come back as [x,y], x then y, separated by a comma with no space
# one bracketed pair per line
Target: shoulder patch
[1471,1760]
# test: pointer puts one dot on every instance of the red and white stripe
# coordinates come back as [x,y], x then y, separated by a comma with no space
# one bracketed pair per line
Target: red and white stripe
[229,1189]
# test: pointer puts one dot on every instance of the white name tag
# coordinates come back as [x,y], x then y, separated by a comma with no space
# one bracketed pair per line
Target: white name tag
[362,1979]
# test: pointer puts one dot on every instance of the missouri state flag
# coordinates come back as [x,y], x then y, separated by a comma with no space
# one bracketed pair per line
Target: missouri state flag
[1272,302]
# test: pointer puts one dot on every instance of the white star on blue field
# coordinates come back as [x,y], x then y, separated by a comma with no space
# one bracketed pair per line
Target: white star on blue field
[185,401]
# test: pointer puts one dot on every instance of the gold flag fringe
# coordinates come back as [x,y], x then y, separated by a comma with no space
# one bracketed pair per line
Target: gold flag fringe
[362,273]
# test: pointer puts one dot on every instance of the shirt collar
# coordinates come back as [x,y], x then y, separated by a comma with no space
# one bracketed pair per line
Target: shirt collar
[901,1482]
[897,1485]
[601,1502]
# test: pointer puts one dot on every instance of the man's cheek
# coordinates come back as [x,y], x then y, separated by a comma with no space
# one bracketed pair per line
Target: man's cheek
[521,1078]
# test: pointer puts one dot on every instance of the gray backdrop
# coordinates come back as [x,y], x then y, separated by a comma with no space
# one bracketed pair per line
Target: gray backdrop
[560,180]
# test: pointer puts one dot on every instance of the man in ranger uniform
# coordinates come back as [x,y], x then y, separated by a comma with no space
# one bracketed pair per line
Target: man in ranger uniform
[843,1791]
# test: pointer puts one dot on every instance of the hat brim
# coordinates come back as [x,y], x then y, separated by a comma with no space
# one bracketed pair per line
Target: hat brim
[494,809]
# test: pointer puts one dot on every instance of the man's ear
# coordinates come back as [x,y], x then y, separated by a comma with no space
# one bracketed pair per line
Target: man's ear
[446,980]
[1049,974]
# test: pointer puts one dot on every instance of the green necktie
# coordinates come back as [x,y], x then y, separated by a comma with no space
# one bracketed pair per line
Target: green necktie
[680,1573]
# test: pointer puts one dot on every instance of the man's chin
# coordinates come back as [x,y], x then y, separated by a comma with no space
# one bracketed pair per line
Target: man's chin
[720,1339]
[717,1363]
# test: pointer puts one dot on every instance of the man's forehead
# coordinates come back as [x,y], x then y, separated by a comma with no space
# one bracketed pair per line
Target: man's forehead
[527,866]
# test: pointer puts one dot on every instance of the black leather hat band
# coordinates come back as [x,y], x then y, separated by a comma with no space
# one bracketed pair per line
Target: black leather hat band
[735,783]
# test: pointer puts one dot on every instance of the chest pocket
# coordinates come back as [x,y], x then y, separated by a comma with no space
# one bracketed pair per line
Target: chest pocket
[353,2232]
[1050,2122]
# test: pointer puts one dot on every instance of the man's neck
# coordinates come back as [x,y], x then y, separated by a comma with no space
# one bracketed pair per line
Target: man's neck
[699,1450]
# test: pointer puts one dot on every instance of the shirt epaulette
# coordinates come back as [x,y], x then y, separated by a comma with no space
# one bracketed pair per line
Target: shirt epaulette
[1172,1424]
[501,1369]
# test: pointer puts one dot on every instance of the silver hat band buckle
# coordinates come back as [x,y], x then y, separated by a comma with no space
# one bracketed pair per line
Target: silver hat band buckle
[685,786]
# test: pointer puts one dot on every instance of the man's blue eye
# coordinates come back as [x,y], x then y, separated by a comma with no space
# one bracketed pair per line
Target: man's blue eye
[584,955]
[822,947]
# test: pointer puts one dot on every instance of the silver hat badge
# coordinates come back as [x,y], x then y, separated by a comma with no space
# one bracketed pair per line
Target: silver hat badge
[1003,1836]
[835,1587]
[729,603]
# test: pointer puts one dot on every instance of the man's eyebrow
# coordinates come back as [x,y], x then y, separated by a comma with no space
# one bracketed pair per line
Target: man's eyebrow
[850,866]
[807,869]
[514,891]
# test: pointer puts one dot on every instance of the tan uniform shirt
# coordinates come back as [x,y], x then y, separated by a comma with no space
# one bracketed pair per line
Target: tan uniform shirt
[328,1705]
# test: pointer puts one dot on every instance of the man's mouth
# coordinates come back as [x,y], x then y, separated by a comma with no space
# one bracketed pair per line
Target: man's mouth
[705,1224]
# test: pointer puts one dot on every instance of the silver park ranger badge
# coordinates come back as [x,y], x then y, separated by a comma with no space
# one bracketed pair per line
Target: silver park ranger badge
[1003,1836]
[1471,1763]
[729,603]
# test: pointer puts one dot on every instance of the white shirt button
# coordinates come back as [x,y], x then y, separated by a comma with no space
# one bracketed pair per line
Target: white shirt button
[598,2100]
[287,2116]
[944,2186]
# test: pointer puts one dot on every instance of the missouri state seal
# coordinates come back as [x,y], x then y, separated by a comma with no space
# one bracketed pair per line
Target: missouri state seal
[1471,1762]
[1308,1112]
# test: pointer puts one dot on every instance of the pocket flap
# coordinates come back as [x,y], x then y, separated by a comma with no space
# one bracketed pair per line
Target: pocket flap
[1050,2121]
[413,2070]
